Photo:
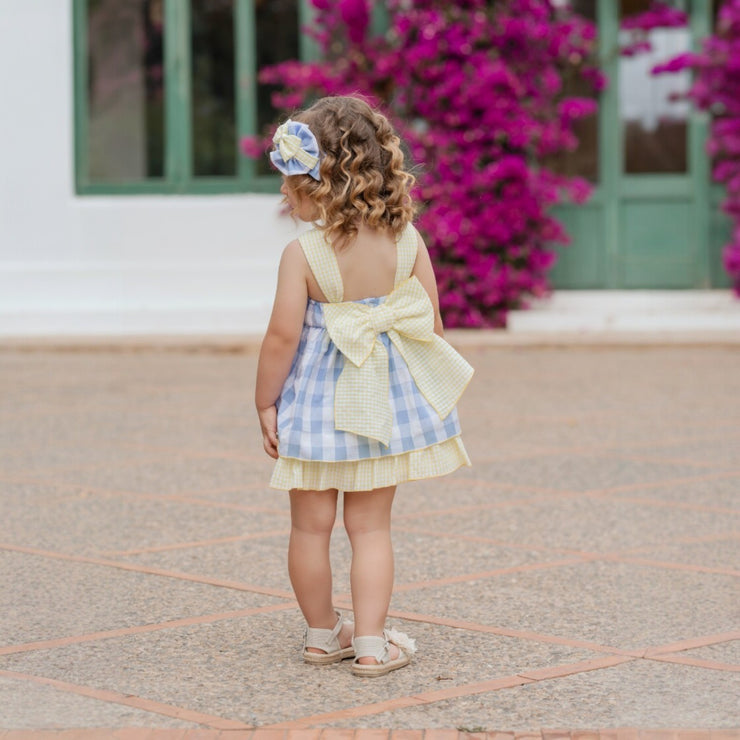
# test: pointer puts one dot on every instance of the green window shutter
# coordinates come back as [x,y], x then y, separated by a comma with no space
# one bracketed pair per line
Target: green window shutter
[152,99]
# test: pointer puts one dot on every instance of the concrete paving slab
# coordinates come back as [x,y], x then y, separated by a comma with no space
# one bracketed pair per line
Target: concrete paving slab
[721,553]
[250,669]
[173,474]
[29,706]
[90,523]
[248,496]
[595,433]
[718,453]
[725,652]
[44,598]
[623,452]
[47,459]
[603,524]
[621,605]
[262,560]
[577,472]
[418,500]
[720,491]
[639,694]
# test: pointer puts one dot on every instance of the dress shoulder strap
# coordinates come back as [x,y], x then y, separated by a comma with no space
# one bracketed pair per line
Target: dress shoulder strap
[323,263]
[406,254]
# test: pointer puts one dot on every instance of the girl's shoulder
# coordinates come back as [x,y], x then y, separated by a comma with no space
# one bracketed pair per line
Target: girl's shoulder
[293,252]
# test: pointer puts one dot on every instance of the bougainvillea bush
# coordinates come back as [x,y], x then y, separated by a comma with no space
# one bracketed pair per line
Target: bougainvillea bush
[476,90]
[716,89]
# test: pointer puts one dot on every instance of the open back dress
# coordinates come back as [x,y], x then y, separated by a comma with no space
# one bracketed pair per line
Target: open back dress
[370,398]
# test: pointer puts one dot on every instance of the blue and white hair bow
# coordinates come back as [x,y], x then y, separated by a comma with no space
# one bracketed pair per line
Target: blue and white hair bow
[296,150]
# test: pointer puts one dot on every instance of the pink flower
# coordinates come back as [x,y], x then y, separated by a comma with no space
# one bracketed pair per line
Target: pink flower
[356,16]
[476,90]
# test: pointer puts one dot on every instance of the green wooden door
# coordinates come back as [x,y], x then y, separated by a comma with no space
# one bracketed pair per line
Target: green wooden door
[651,222]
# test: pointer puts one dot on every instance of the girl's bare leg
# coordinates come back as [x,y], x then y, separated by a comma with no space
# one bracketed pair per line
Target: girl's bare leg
[312,516]
[367,519]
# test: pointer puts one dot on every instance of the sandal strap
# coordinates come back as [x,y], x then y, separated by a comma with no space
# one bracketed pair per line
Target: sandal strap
[371,646]
[324,639]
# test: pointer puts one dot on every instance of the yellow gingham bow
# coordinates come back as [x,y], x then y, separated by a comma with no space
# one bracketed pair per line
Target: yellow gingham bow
[290,147]
[361,403]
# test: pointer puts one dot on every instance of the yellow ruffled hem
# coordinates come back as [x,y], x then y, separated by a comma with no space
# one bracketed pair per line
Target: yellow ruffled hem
[365,475]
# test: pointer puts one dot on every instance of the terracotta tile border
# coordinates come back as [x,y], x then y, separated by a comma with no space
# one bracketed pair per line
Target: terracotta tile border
[558,671]
[643,501]
[143,569]
[469,508]
[588,555]
[692,643]
[488,540]
[142,629]
[499,485]
[140,733]
[199,543]
[350,713]
[617,455]
[555,735]
[41,475]
[436,735]
[165,497]
[266,733]
[465,577]
[517,634]
[482,687]
[500,543]
[210,503]
[670,565]
[306,734]
[408,734]
[697,662]
[664,483]
[607,449]
[194,454]
[625,556]
[145,705]
[679,541]
[454,692]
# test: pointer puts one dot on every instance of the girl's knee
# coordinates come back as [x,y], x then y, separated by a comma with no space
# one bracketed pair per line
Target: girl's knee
[369,511]
[313,512]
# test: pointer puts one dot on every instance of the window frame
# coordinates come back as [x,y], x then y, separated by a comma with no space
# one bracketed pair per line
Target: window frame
[178,177]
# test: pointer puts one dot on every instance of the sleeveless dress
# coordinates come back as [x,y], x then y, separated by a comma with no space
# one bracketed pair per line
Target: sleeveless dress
[370,398]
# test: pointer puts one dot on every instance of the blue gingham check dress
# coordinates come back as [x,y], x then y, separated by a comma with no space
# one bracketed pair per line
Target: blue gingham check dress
[314,455]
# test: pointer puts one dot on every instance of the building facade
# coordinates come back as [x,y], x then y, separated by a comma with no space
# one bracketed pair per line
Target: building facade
[128,209]
[654,220]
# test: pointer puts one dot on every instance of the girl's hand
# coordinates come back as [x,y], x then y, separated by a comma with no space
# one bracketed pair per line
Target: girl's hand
[268,422]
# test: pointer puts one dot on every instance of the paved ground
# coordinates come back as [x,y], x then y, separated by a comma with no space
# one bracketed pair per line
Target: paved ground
[583,574]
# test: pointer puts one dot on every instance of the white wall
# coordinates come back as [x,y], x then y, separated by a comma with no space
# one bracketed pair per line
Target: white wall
[111,265]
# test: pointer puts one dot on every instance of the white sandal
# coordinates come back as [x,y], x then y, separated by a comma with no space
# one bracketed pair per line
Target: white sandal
[379,648]
[328,641]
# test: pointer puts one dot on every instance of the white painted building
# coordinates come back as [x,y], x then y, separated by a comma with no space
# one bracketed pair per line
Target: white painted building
[111,264]
[126,210]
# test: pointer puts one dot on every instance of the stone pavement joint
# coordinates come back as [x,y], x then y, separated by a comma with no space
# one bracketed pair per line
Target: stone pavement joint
[132,701]
[138,733]
[141,629]
[581,577]
[149,571]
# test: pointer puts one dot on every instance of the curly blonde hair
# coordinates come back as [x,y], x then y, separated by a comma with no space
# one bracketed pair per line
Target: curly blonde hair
[363,180]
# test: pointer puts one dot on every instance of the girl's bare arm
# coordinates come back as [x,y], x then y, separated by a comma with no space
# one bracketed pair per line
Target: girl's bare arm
[424,271]
[281,340]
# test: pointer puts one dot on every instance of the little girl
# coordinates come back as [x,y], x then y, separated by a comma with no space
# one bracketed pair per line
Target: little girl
[356,389]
